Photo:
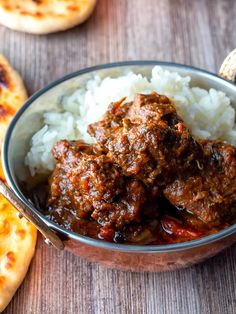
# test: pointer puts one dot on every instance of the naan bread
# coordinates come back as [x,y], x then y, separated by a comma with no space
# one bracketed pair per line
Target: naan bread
[44,16]
[17,246]
[17,236]
[12,94]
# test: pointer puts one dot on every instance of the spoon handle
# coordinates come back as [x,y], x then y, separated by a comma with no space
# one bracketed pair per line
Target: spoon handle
[49,235]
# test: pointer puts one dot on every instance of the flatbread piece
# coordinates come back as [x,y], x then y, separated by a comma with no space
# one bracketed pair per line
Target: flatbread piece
[44,16]
[17,236]
[17,246]
[12,94]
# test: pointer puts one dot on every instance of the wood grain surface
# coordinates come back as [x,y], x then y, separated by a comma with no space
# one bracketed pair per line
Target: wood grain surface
[200,33]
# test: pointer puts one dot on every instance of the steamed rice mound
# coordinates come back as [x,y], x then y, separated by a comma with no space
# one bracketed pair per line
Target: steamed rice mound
[208,114]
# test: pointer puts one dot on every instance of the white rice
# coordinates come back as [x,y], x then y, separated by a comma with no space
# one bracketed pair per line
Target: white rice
[208,114]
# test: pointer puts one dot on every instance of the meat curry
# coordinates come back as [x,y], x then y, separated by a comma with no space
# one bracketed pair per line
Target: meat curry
[146,180]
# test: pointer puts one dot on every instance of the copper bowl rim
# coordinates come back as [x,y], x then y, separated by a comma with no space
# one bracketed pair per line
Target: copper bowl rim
[67,234]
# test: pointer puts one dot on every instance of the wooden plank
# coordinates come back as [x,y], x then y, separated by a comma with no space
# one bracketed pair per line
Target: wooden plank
[200,33]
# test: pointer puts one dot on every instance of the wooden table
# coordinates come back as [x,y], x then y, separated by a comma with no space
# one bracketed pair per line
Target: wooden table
[200,33]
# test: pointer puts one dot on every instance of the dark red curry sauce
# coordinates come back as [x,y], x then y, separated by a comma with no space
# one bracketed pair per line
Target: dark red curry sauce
[146,181]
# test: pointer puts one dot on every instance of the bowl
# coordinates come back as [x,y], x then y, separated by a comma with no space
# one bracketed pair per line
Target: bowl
[28,120]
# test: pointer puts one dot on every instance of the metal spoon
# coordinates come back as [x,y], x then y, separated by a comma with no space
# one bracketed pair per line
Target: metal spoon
[49,235]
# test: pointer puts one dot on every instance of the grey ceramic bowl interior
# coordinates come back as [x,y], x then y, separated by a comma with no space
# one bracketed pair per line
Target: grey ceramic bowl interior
[28,120]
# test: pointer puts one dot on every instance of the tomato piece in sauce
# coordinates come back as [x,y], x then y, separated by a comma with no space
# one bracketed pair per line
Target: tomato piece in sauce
[174,227]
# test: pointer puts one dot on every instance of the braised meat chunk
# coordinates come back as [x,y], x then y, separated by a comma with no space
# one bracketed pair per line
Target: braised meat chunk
[211,193]
[111,123]
[150,142]
[82,176]
[88,185]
